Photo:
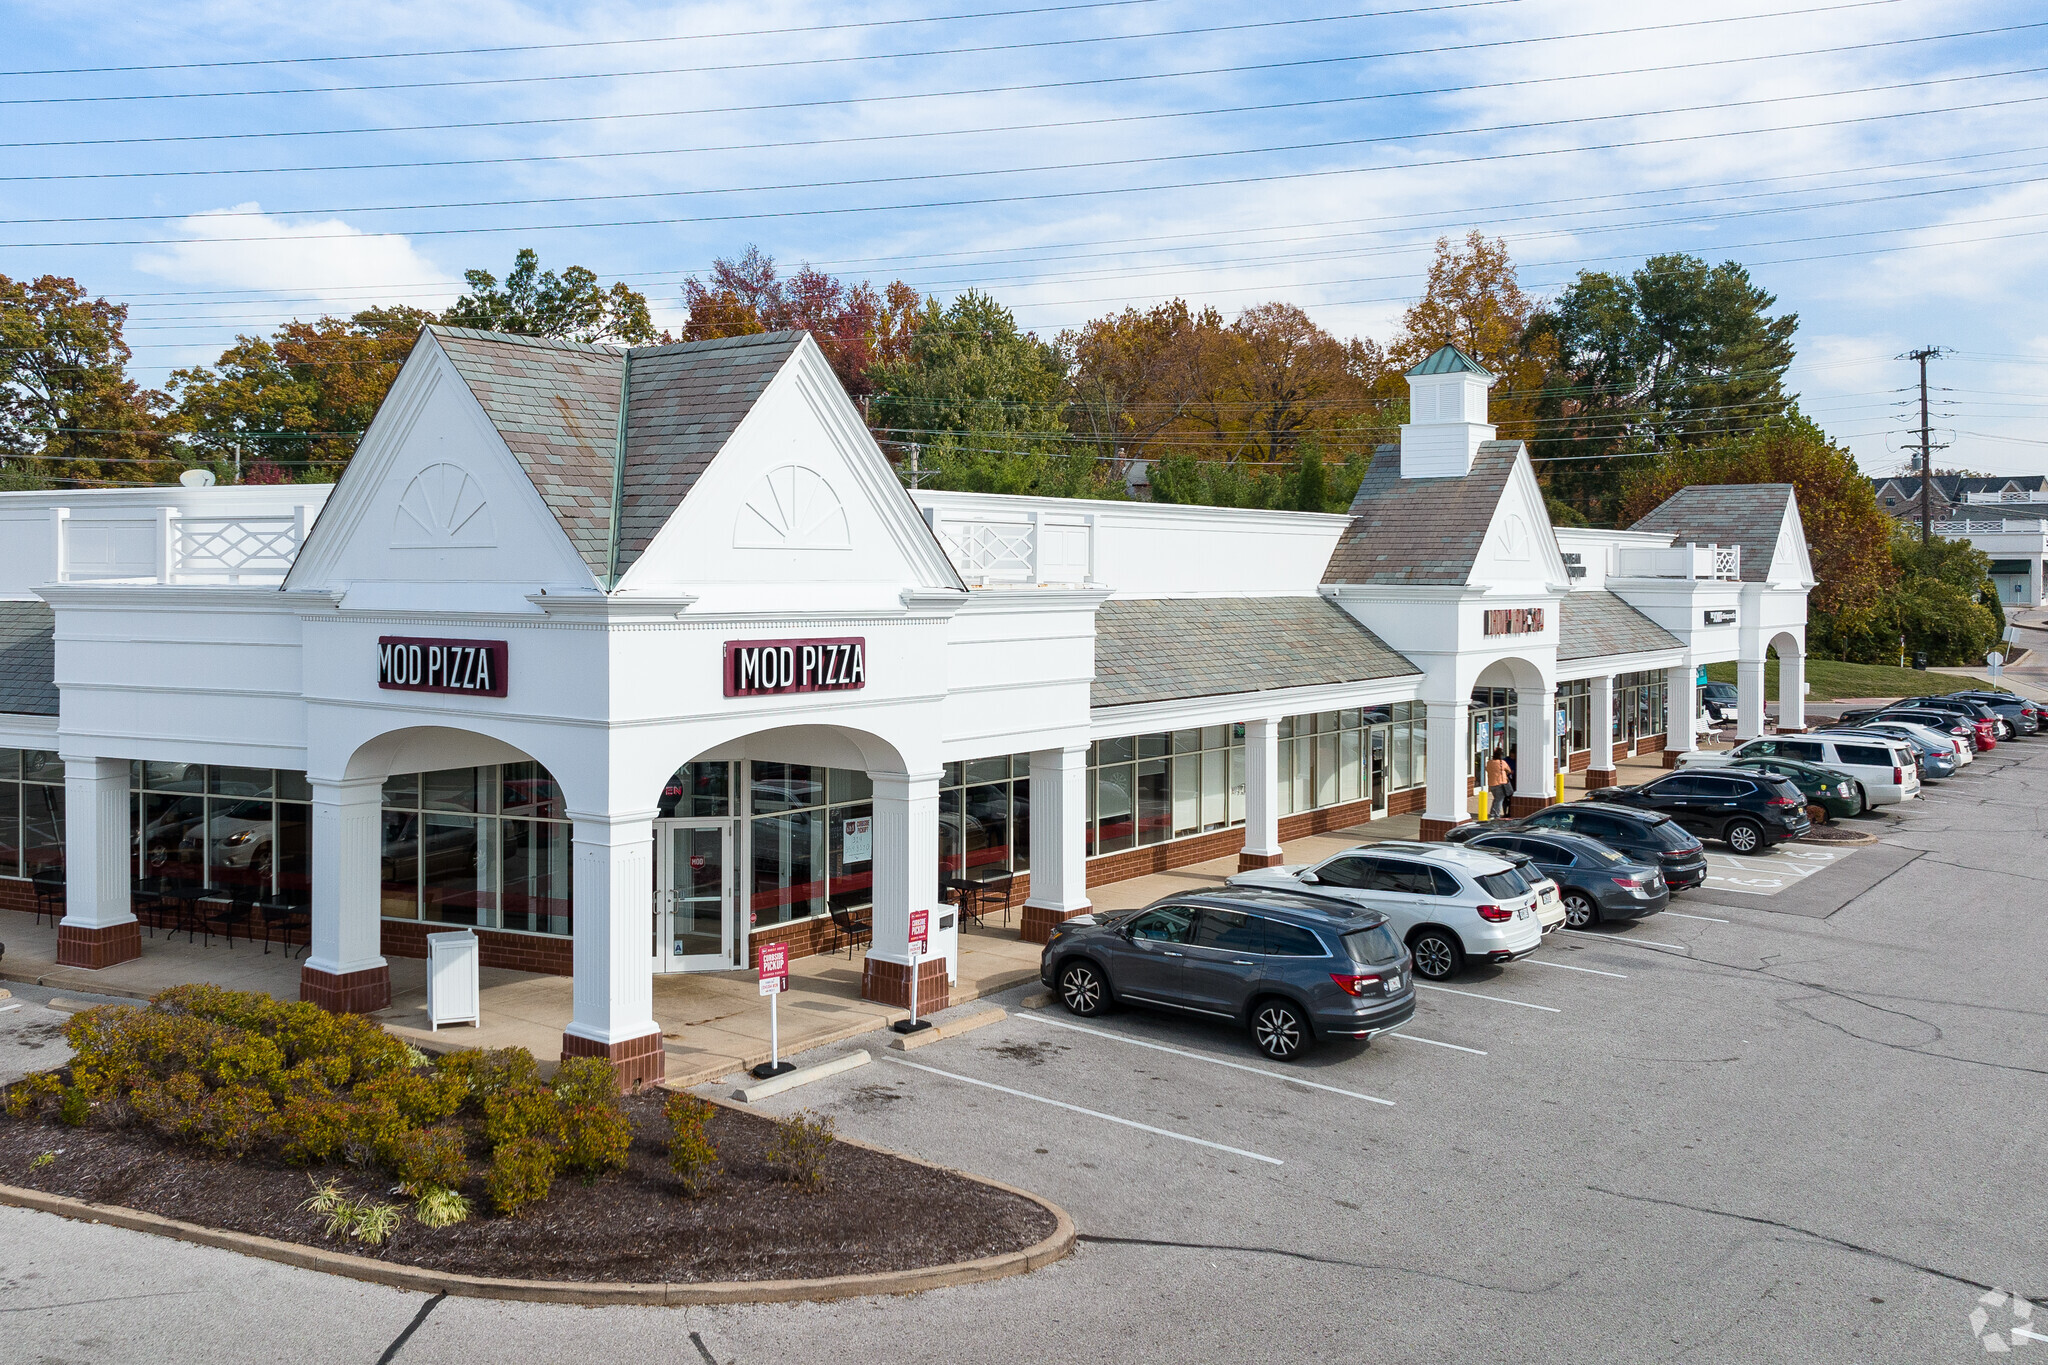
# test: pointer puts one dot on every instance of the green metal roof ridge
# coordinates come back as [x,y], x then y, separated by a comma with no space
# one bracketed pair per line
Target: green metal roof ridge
[1450,360]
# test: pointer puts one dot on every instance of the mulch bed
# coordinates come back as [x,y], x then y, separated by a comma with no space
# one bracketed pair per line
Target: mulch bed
[875,1213]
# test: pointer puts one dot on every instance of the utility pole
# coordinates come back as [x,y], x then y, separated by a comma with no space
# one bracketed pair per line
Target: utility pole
[1923,355]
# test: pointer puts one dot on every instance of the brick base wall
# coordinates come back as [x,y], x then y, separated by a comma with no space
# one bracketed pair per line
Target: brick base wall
[1253,862]
[543,953]
[1201,848]
[1038,921]
[1409,802]
[888,983]
[96,948]
[639,1061]
[1435,830]
[1528,805]
[18,893]
[1599,778]
[1650,744]
[346,992]
[1579,762]
[1323,821]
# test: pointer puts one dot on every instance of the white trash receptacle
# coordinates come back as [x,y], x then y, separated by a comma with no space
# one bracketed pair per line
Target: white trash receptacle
[453,991]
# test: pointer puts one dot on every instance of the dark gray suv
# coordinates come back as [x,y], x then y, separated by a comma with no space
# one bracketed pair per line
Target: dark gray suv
[1291,967]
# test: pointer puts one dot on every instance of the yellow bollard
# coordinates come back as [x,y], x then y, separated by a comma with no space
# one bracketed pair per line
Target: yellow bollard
[1485,797]
[1560,786]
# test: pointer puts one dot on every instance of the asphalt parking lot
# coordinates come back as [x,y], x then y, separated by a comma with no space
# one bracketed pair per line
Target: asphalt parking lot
[1787,1127]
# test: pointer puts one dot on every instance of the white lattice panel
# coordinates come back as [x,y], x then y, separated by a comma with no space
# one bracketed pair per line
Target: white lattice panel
[990,550]
[237,546]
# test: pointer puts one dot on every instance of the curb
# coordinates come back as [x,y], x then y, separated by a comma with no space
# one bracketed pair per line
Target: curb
[596,1294]
[1844,839]
[910,1042]
[790,1080]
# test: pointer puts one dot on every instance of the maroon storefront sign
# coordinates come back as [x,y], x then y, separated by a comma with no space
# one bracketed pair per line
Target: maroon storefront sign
[470,668]
[761,668]
[1514,621]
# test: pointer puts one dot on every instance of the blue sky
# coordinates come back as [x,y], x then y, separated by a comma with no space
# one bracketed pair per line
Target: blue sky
[1881,174]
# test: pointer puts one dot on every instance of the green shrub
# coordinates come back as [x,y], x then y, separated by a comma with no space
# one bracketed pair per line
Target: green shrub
[595,1138]
[586,1080]
[314,1127]
[525,1109]
[690,1153]
[234,1118]
[522,1172]
[171,1105]
[486,1072]
[431,1157]
[801,1142]
[31,1095]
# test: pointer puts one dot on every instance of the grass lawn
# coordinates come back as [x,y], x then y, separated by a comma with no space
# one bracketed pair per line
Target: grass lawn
[1831,678]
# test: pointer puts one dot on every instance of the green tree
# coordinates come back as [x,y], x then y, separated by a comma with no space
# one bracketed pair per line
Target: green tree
[1676,354]
[537,303]
[981,402]
[67,406]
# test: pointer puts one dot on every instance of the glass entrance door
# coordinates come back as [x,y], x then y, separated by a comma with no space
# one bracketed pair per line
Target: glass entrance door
[693,895]
[1376,772]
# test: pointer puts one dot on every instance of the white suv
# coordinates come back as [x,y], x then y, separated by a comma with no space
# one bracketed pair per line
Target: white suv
[1883,767]
[1448,904]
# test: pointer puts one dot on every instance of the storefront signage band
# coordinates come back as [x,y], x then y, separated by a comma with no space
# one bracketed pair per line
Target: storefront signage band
[761,668]
[470,668]
[1514,621]
[1721,616]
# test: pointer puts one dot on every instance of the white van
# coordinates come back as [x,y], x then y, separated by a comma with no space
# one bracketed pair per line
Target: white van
[1883,768]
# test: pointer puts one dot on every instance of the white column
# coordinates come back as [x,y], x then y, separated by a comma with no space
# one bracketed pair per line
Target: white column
[1448,727]
[1536,742]
[1749,698]
[1601,725]
[2034,586]
[348,923]
[1792,692]
[613,951]
[1682,708]
[1261,794]
[906,878]
[97,853]
[1059,840]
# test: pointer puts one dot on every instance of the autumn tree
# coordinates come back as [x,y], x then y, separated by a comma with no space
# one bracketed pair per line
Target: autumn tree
[67,406]
[300,398]
[1135,376]
[537,303]
[1473,300]
[857,326]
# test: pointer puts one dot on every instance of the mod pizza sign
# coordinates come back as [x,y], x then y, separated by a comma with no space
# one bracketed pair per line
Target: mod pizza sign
[474,668]
[760,668]
[1514,621]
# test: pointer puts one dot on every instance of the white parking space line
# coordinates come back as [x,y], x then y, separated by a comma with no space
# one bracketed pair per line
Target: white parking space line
[1496,999]
[5,1008]
[1567,967]
[1413,1038]
[1091,1113]
[1213,1061]
[1633,942]
[1708,918]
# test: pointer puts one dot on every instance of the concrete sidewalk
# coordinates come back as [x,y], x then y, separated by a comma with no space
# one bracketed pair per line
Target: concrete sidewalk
[715,1023]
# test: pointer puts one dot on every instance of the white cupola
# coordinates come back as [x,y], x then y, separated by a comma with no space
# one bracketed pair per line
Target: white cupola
[1446,415]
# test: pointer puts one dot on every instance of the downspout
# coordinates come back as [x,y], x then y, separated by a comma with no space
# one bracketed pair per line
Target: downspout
[611,575]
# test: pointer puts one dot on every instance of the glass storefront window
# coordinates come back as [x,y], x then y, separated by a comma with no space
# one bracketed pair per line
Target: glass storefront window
[31,812]
[1148,789]
[698,791]
[1325,758]
[486,847]
[804,820]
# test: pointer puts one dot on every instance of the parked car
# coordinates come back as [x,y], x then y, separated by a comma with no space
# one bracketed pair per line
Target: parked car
[1961,733]
[1940,755]
[1885,770]
[1597,883]
[1719,699]
[1641,836]
[1293,968]
[1970,710]
[1449,905]
[1749,812]
[1835,792]
[1983,726]
[2022,715]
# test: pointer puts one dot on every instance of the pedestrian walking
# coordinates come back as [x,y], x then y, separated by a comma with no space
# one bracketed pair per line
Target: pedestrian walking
[1500,783]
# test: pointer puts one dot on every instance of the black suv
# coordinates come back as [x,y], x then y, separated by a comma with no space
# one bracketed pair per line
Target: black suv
[2021,716]
[1640,835]
[1748,811]
[1290,966]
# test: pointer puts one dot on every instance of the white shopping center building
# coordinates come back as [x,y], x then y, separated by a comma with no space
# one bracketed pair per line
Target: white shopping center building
[633,660]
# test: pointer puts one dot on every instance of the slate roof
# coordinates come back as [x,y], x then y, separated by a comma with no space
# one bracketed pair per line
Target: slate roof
[557,405]
[1596,622]
[1450,360]
[1420,530]
[1159,649]
[1745,514]
[28,658]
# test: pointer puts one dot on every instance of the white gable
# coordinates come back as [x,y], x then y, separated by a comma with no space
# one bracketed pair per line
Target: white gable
[434,497]
[1520,550]
[800,509]
[1790,563]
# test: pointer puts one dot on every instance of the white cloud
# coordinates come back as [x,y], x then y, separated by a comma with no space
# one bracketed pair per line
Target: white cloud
[339,267]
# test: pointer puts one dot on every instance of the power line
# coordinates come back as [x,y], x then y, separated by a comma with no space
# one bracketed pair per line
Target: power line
[1326,144]
[1054,195]
[785,62]
[1259,67]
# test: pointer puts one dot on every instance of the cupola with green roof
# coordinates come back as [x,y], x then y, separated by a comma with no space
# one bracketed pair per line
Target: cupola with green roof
[1446,415]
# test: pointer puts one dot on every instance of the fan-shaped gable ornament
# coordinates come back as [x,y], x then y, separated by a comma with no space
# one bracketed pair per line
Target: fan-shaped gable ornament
[442,508]
[792,508]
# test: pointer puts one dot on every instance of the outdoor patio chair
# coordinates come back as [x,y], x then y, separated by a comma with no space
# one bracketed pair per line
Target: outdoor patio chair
[220,913]
[49,888]
[853,931]
[283,917]
[993,893]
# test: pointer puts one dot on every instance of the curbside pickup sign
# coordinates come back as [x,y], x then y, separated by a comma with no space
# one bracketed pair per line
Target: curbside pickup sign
[774,968]
[469,668]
